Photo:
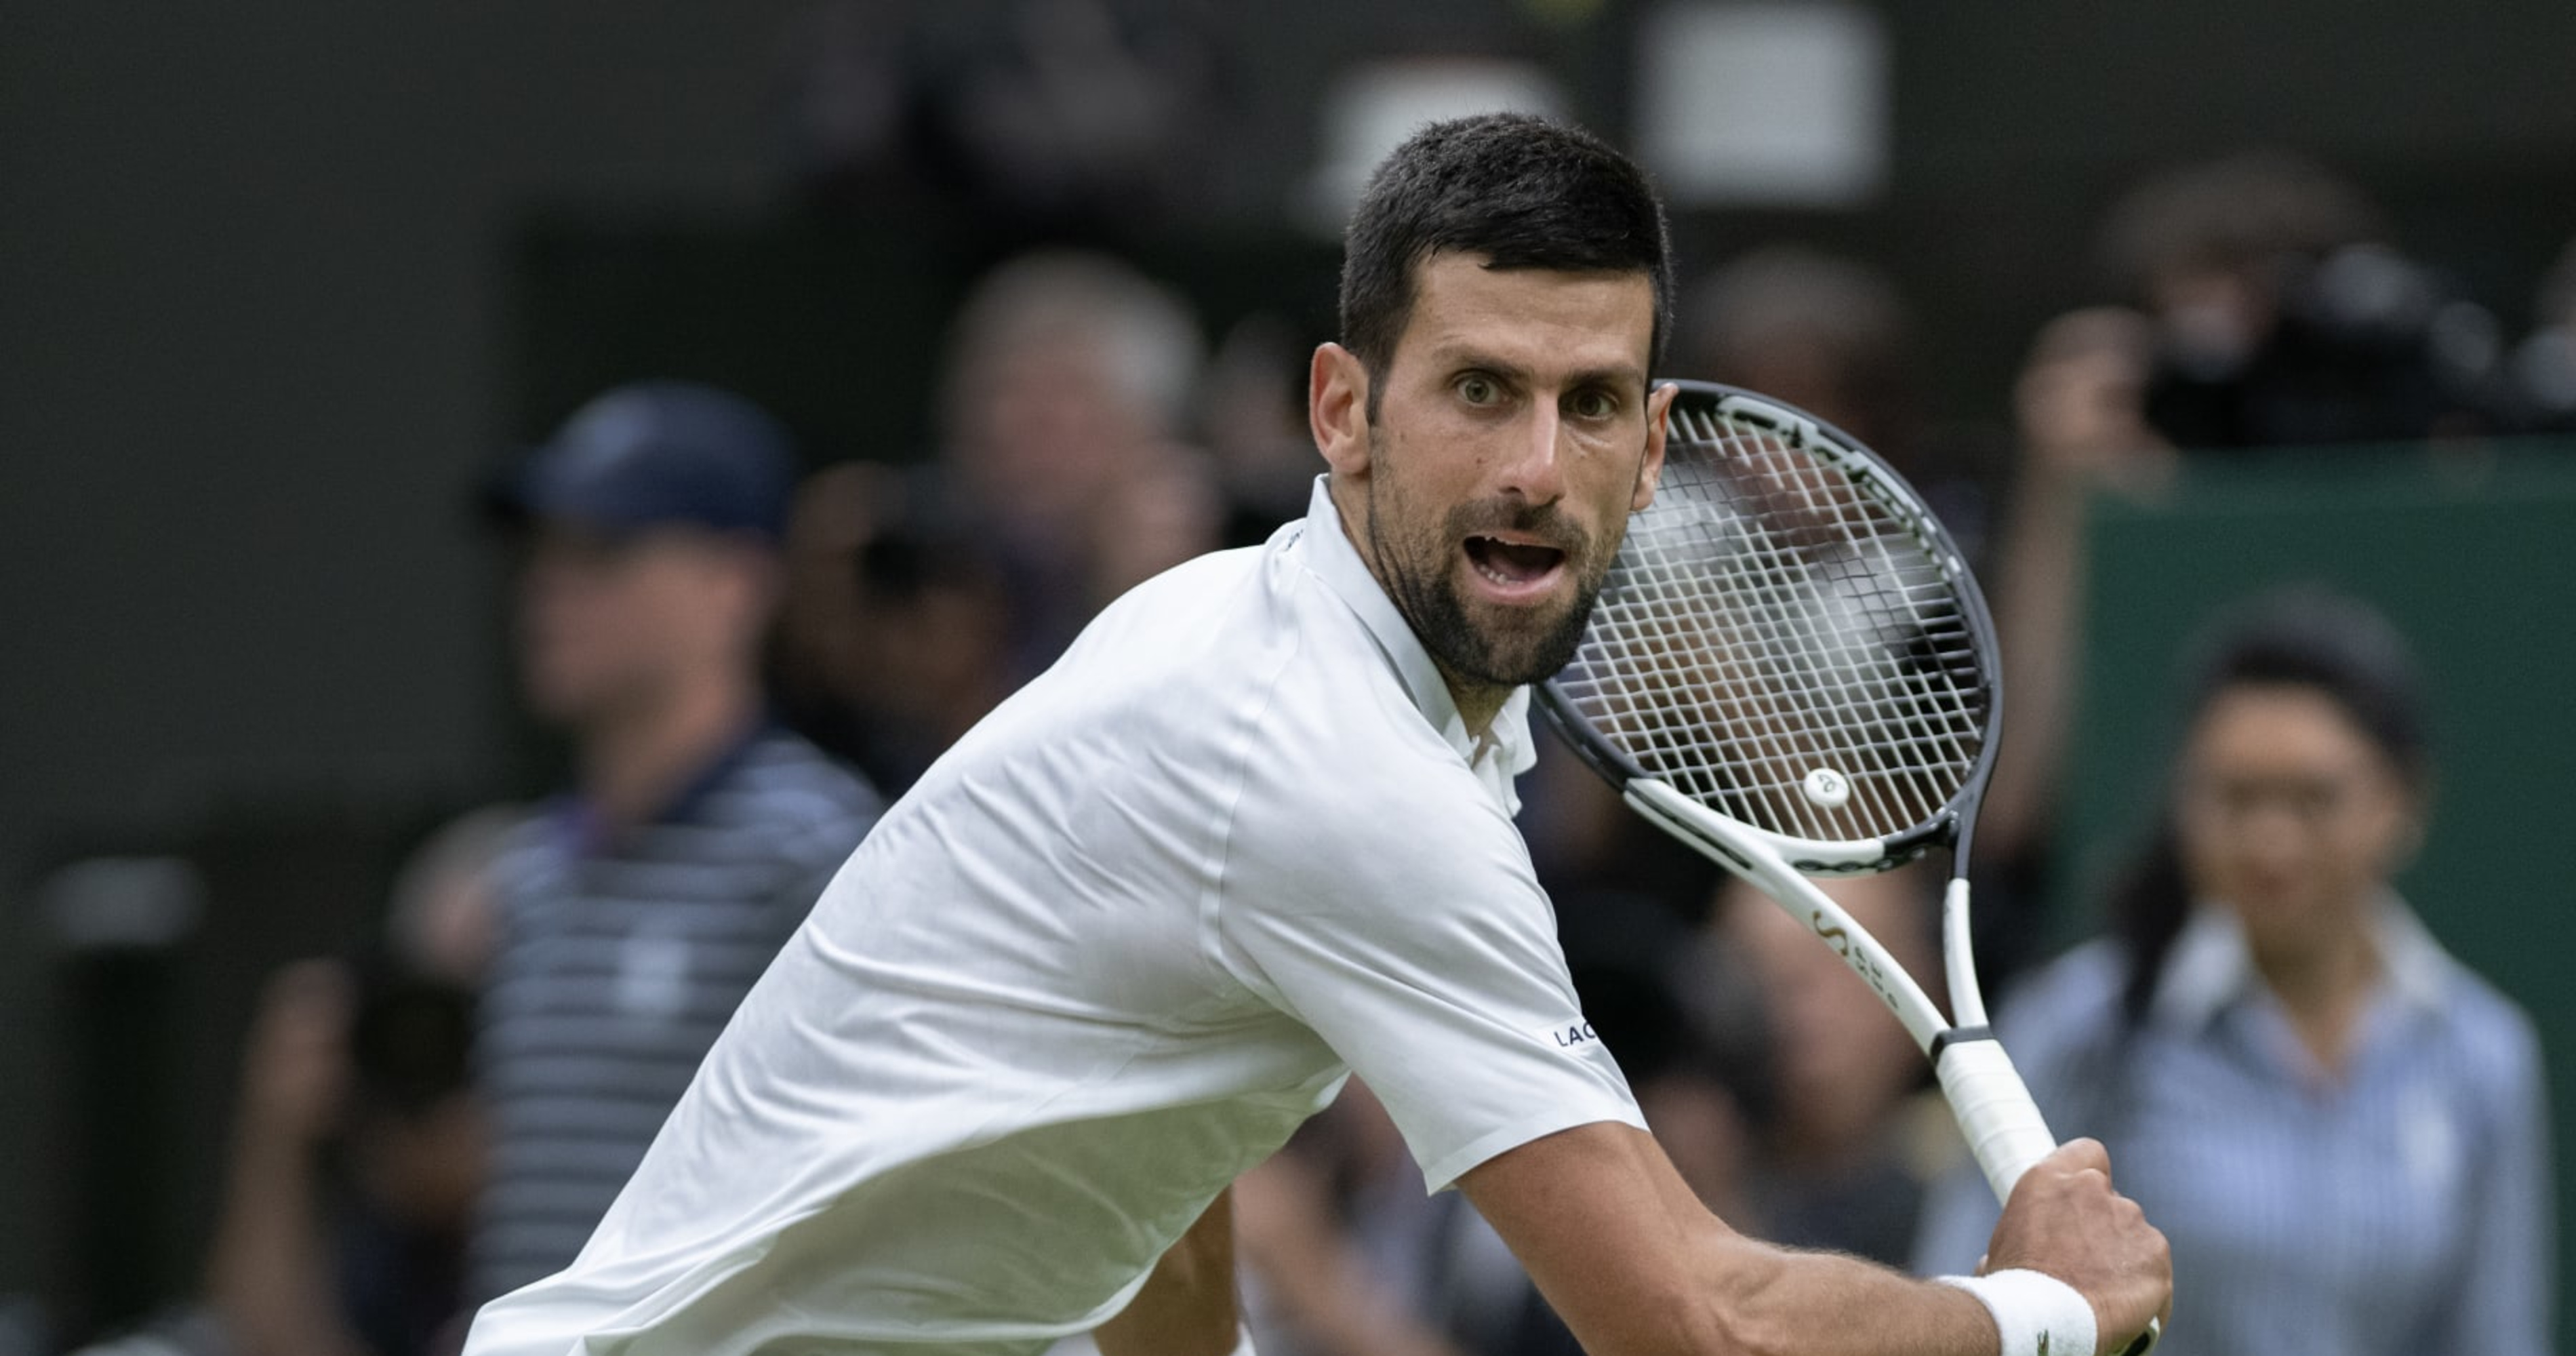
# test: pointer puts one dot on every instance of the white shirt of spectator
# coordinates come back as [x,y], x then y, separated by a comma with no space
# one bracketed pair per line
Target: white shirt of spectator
[1117,944]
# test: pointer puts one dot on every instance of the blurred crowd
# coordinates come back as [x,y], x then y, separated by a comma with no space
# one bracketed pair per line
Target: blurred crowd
[746,662]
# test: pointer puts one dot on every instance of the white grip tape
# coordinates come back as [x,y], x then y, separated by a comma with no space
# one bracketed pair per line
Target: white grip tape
[2002,1124]
[2036,1313]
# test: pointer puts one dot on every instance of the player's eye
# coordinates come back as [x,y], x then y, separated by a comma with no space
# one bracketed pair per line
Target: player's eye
[1592,403]
[1478,389]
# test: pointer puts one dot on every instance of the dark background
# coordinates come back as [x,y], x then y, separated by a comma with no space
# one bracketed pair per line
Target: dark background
[276,281]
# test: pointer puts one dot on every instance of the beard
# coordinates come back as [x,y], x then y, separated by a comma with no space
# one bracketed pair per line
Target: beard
[1511,647]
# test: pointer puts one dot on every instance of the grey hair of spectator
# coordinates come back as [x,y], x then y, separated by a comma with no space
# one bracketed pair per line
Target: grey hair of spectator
[1145,334]
[2236,212]
[1832,326]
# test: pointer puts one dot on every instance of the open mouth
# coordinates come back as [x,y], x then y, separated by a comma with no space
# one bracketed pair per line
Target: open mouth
[1514,568]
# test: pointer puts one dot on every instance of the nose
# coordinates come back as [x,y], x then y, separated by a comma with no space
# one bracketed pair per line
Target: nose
[1536,471]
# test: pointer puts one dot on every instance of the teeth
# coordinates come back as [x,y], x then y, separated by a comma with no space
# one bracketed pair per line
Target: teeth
[1496,546]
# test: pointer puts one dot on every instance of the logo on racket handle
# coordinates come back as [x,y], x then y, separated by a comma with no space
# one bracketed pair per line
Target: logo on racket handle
[1827,788]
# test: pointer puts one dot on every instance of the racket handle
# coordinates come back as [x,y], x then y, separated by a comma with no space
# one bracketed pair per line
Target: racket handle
[2003,1125]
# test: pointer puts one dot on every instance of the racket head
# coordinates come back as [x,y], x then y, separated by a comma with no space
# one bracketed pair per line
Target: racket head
[1789,638]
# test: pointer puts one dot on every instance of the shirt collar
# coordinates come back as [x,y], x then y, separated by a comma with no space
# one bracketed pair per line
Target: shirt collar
[2210,967]
[579,824]
[1333,559]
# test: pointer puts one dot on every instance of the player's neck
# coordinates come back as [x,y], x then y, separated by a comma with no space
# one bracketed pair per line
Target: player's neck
[634,760]
[1478,703]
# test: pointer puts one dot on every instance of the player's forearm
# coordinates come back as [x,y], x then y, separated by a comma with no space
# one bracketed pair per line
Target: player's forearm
[1638,1267]
[1187,1307]
[1770,1301]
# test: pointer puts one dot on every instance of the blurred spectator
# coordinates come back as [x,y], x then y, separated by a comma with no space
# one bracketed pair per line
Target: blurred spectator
[383,1074]
[2340,1128]
[895,637]
[2284,318]
[1254,415]
[1042,118]
[438,918]
[1835,338]
[2079,408]
[2273,314]
[632,913]
[1344,1252]
[1851,1140]
[2544,365]
[1823,333]
[1069,379]
[356,1159]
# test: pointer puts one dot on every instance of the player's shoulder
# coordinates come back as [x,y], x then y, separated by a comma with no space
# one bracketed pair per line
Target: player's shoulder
[1360,815]
[1253,630]
[2489,1037]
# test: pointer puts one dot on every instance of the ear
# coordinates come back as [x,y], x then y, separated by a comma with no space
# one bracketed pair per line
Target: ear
[1337,385]
[1659,407]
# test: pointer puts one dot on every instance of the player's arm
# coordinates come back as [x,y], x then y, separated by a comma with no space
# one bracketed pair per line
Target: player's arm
[1637,1267]
[1187,1306]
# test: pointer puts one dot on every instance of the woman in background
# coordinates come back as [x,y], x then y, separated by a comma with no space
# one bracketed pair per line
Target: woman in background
[2339,1127]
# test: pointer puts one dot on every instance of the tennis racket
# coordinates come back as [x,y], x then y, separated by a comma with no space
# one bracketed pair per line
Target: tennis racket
[1791,670]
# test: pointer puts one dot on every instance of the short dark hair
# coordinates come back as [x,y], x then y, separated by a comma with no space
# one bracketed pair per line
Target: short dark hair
[1522,191]
[2308,636]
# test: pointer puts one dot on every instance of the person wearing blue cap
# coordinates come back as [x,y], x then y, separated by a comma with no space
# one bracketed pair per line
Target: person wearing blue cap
[631,913]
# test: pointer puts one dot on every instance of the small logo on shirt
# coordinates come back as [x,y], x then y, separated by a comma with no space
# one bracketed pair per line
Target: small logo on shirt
[653,975]
[1577,1034]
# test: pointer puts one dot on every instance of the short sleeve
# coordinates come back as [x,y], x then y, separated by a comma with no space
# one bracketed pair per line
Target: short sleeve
[1414,939]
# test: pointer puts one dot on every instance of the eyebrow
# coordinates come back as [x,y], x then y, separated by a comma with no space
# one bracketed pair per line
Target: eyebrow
[1614,375]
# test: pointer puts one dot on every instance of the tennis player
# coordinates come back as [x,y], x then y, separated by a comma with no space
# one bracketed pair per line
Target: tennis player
[1251,835]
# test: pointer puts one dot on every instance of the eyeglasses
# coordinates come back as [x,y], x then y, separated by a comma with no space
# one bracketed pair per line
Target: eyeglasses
[2311,803]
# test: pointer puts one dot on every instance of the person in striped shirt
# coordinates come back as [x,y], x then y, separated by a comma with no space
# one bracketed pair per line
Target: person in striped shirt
[2340,1128]
[631,913]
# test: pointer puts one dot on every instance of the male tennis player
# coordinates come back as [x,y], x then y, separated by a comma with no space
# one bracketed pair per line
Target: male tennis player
[1251,835]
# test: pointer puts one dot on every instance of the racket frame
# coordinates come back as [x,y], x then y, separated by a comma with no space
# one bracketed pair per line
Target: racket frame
[1987,1096]
[1995,1112]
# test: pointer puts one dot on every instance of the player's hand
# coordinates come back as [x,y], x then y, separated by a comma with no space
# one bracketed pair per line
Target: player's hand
[2064,1219]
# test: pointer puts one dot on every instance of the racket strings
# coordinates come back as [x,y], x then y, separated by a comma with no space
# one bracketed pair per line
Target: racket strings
[1773,614]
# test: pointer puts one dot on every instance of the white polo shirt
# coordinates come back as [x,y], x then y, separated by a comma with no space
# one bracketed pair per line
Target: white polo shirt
[1140,923]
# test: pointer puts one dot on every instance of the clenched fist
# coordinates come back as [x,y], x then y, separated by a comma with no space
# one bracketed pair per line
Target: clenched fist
[2064,1219]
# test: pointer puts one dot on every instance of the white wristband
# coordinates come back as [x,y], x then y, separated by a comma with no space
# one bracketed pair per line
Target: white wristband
[2038,1314]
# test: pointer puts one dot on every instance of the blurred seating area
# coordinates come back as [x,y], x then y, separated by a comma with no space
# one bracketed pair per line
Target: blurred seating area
[309,759]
